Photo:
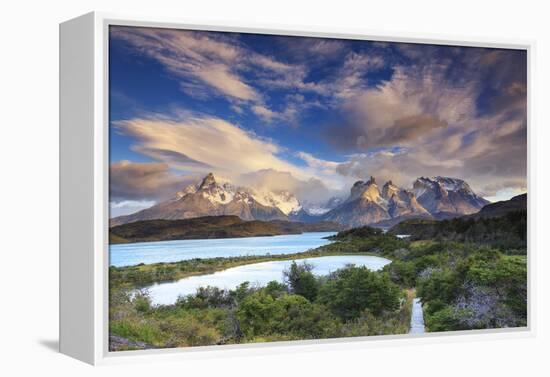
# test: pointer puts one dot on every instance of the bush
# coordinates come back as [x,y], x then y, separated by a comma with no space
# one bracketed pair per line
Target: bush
[144,331]
[301,280]
[206,297]
[189,331]
[402,273]
[349,291]
[445,319]
[289,317]
[142,301]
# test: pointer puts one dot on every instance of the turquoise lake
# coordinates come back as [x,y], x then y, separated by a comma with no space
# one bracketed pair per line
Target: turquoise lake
[175,251]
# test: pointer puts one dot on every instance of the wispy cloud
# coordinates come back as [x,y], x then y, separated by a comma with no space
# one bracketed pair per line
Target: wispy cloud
[198,143]
[207,64]
[434,113]
[210,64]
[393,110]
[132,181]
[194,58]
[126,207]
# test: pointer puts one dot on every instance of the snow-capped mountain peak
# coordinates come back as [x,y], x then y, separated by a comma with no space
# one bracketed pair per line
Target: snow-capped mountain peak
[210,190]
[452,184]
[225,193]
[210,198]
[447,195]
[283,200]
[437,197]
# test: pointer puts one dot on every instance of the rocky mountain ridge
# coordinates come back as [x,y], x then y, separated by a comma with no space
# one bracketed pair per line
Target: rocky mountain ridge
[437,197]
[367,204]
[211,198]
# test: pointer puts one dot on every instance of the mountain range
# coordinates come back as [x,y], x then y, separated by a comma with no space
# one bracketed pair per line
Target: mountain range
[431,198]
[210,198]
[367,204]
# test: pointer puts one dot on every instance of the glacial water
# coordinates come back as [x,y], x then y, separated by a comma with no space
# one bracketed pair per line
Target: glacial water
[175,251]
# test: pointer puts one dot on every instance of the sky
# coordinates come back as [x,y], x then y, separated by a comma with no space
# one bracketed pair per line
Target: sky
[309,115]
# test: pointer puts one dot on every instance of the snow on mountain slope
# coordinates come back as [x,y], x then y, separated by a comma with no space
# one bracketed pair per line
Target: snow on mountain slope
[283,200]
[442,196]
[211,198]
[438,197]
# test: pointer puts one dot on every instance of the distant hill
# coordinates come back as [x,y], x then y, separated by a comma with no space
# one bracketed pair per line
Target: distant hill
[497,224]
[497,209]
[210,227]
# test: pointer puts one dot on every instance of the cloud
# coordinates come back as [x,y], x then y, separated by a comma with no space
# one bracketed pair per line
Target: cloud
[193,57]
[132,181]
[264,112]
[413,103]
[492,190]
[393,110]
[312,51]
[127,207]
[196,143]
[317,162]
[209,63]
[220,78]
[311,190]
[459,113]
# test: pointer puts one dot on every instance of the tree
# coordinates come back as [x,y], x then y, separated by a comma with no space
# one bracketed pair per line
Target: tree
[301,280]
[349,291]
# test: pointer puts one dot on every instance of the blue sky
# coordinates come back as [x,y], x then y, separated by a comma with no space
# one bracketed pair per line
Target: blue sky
[309,115]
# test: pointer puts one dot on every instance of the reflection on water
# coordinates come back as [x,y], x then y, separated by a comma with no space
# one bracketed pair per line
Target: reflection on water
[258,273]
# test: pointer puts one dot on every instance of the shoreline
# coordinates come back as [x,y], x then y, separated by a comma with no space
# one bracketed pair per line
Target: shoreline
[224,238]
[211,227]
[141,275]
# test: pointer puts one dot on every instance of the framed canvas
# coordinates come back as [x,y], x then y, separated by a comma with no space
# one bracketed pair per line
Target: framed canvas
[234,189]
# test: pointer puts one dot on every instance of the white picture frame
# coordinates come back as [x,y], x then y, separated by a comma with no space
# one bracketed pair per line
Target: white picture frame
[84,193]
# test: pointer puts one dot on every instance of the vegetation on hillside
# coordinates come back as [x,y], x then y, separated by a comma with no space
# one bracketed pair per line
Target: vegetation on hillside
[210,227]
[464,286]
[303,307]
[505,232]
[465,280]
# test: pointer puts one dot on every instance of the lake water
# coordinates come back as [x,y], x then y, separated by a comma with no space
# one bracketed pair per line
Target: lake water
[175,251]
[257,274]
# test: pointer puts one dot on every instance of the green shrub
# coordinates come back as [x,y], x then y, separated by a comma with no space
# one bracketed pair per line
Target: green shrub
[301,281]
[349,291]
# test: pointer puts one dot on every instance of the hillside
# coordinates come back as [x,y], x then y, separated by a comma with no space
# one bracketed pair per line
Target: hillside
[508,231]
[210,227]
[517,203]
